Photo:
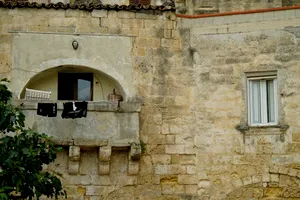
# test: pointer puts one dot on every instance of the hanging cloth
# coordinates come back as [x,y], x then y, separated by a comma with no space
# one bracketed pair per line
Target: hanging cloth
[74,110]
[47,109]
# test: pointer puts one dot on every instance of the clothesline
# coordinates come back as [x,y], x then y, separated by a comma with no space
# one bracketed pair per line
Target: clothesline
[70,109]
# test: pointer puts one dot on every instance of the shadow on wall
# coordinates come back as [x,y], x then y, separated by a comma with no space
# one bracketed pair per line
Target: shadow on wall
[71,82]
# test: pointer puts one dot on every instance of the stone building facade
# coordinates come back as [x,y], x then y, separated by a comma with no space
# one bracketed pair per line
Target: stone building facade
[188,127]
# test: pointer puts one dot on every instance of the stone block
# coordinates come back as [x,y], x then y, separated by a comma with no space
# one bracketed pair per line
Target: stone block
[265,177]
[172,189]
[187,179]
[161,159]
[146,15]
[204,184]
[170,139]
[153,24]
[126,15]
[180,149]
[73,167]
[191,169]
[283,170]
[274,169]
[186,159]
[148,42]
[72,13]
[171,43]
[131,180]
[293,172]
[237,183]
[274,178]
[162,169]
[256,179]
[104,168]
[177,169]
[168,25]
[165,129]
[133,167]
[157,139]
[101,180]
[191,189]
[94,190]
[184,139]
[99,13]
[74,153]
[247,180]
[132,23]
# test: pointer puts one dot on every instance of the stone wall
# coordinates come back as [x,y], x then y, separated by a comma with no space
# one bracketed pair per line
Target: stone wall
[193,121]
[222,50]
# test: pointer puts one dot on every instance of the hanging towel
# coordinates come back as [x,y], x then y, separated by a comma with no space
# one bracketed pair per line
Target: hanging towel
[42,109]
[47,109]
[74,110]
[52,110]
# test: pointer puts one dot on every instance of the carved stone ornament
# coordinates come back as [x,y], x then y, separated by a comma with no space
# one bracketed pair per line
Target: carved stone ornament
[75,44]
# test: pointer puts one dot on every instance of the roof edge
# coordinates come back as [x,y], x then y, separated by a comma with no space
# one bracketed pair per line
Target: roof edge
[90,7]
[237,12]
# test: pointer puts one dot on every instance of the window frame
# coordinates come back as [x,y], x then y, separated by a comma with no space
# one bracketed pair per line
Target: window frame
[263,100]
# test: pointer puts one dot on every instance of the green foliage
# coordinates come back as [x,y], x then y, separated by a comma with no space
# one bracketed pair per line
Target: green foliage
[23,155]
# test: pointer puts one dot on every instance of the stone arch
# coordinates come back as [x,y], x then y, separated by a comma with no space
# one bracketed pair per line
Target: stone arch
[276,182]
[124,86]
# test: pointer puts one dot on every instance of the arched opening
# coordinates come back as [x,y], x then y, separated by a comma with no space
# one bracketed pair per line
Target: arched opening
[280,186]
[71,82]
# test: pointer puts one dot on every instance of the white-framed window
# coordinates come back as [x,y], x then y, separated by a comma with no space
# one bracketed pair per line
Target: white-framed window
[262,100]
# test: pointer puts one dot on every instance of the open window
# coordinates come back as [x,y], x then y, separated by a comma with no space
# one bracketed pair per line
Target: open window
[75,86]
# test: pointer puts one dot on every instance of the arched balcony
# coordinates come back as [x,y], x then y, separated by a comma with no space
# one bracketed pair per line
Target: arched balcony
[71,82]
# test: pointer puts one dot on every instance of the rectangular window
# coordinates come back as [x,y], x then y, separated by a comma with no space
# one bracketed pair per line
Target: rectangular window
[262,101]
[75,86]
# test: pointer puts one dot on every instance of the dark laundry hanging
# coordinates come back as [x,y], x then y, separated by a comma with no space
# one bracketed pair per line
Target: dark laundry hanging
[74,110]
[52,110]
[42,109]
[47,109]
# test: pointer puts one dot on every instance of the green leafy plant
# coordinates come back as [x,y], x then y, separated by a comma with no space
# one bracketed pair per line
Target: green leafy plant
[23,155]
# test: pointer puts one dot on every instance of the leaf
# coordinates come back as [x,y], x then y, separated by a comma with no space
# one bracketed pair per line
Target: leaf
[25,150]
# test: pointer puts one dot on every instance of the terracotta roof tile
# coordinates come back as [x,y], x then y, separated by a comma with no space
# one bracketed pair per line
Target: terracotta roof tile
[90,7]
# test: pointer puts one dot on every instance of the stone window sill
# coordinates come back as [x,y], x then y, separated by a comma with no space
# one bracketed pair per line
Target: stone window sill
[263,130]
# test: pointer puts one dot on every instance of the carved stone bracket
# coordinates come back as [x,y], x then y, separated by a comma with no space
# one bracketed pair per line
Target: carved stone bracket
[104,159]
[74,157]
[135,151]
[134,156]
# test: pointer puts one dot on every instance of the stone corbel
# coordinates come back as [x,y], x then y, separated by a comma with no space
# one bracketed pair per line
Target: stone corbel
[104,159]
[134,156]
[74,157]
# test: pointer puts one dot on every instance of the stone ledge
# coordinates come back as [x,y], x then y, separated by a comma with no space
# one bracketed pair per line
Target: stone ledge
[98,106]
[84,142]
[262,130]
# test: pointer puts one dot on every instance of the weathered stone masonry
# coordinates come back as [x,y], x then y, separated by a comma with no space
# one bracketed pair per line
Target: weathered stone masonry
[190,74]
